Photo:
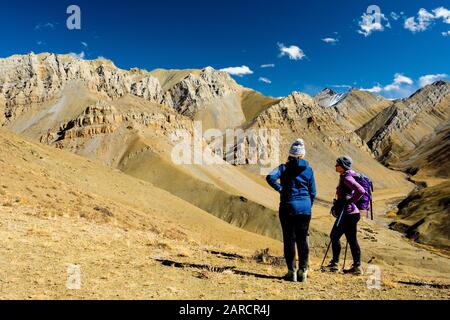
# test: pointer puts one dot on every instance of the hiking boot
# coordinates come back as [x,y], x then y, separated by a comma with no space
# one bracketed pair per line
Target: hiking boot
[333,266]
[302,275]
[291,276]
[355,269]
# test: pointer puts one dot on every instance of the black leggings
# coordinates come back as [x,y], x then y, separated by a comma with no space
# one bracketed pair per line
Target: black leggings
[348,226]
[295,230]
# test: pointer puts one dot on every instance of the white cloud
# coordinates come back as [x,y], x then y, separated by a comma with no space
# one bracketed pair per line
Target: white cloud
[372,22]
[442,13]
[345,86]
[330,40]
[395,16]
[446,34]
[238,71]
[40,43]
[425,19]
[265,80]
[84,44]
[391,87]
[400,78]
[47,25]
[375,89]
[430,78]
[269,65]
[293,52]
[80,55]
[403,86]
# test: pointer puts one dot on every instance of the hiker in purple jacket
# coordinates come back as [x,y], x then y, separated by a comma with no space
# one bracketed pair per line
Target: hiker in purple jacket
[348,193]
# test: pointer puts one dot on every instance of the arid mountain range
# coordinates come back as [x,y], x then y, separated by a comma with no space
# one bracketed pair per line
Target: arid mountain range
[120,125]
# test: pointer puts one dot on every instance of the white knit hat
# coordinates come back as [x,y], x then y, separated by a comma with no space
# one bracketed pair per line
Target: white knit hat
[298,149]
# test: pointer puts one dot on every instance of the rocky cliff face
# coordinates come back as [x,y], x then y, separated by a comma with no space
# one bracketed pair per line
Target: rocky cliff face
[300,116]
[208,95]
[104,118]
[400,128]
[358,107]
[195,91]
[30,79]
[413,135]
[354,108]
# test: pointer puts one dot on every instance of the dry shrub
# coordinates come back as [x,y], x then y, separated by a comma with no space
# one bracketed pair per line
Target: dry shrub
[263,256]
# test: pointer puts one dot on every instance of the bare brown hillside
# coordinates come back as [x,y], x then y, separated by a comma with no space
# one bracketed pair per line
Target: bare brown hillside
[299,115]
[92,163]
[126,119]
[354,108]
[424,215]
[401,128]
[412,136]
[133,240]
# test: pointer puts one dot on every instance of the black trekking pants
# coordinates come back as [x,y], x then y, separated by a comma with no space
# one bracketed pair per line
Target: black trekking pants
[348,226]
[295,231]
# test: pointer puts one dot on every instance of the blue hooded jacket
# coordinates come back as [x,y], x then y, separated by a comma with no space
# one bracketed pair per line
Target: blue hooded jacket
[297,186]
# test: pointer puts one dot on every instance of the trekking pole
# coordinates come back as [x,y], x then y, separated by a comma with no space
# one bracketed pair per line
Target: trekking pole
[340,216]
[371,210]
[324,258]
[345,255]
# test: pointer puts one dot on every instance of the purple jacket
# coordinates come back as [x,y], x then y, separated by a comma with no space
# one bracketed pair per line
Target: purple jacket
[351,190]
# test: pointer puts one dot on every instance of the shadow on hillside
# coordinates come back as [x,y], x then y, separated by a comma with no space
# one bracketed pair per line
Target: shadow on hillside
[181,265]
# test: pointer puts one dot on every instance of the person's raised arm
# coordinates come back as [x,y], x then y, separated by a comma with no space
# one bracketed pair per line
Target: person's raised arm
[272,178]
[358,190]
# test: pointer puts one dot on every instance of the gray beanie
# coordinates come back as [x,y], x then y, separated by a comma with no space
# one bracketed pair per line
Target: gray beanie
[298,149]
[345,162]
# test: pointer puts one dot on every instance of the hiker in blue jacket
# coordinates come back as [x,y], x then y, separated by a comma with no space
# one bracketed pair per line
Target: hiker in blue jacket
[297,190]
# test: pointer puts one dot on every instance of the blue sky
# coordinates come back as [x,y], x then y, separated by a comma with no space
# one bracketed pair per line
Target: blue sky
[391,52]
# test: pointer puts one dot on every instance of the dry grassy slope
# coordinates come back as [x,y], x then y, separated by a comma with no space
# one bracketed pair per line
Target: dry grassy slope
[203,191]
[36,119]
[431,157]
[53,182]
[139,146]
[58,209]
[144,152]
[254,102]
[424,215]
[226,191]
